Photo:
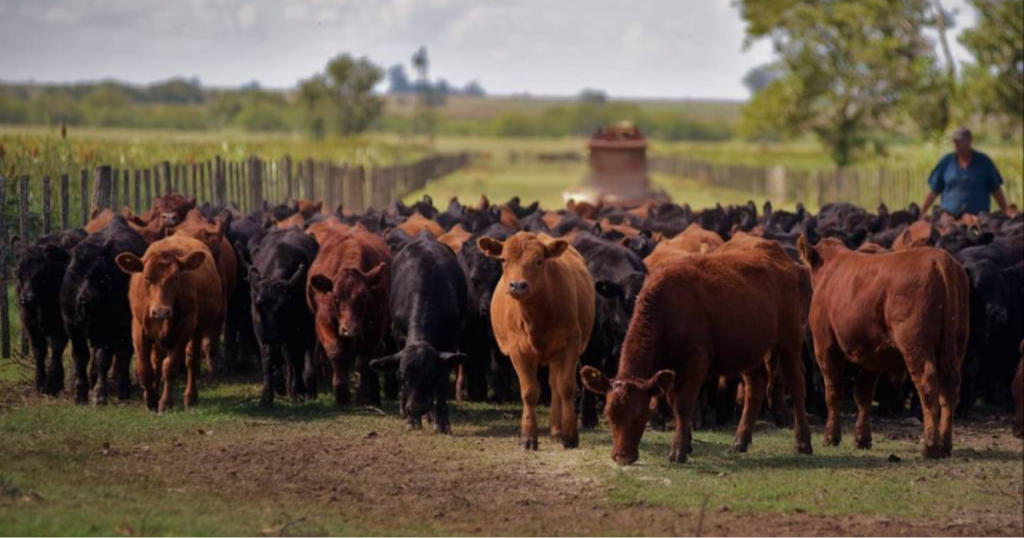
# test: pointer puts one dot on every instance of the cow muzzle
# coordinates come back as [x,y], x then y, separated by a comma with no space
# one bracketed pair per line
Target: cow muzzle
[518,288]
[160,313]
[348,331]
[625,459]
[27,298]
[169,219]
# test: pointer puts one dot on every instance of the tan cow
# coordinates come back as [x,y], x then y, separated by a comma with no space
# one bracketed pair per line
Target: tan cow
[542,313]
[693,240]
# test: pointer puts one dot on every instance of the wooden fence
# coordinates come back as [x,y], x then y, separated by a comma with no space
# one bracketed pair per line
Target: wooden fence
[867,187]
[45,205]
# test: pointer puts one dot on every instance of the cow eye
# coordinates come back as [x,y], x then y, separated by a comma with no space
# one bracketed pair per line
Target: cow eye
[540,262]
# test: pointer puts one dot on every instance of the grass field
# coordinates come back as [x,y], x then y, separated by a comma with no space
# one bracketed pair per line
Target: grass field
[233,467]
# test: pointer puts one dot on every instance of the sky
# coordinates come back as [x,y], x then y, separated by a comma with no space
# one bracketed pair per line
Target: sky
[640,48]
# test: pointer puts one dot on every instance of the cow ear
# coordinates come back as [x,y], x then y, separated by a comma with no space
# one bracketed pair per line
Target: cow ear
[555,248]
[808,253]
[387,364]
[373,276]
[904,241]
[318,206]
[451,360]
[490,246]
[321,283]
[594,380]
[662,381]
[193,261]
[129,263]
[297,275]
[608,289]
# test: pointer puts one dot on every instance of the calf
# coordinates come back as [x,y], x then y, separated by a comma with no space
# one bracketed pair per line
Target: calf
[618,275]
[884,313]
[542,312]
[95,310]
[38,271]
[348,290]
[177,311]
[428,303]
[685,328]
[281,319]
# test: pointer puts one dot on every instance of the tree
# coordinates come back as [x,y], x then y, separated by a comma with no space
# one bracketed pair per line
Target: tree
[994,84]
[758,78]
[341,99]
[398,80]
[474,89]
[590,95]
[848,68]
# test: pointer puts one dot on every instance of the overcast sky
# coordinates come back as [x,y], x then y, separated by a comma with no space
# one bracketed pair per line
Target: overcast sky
[643,48]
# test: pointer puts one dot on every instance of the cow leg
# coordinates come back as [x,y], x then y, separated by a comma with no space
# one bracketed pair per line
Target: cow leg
[267,363]
[926,380]
[210,344]
[294,357]
[55,372]
[460,379]
[192,360]
[502,376]
[170,365]
[529,388]
[756,382]
[793,371]
[144,370]
[684,400]
[340,362]
[588,410]
[309,372]
[832,371]
[563,394]
[80,355]
[102,359]
[864,394]
[38,343]
[122,368]
[369,382]
[777,400]
[948,400]
[726,391]
[442,424]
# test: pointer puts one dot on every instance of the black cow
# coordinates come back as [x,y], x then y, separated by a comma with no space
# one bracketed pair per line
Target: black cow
[239,338]
[94,307]
[38,272]
[281,318]
[428,303]
[483,273]
[618,275]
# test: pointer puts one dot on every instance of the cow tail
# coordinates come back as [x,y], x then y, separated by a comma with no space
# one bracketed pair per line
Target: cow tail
[956,316]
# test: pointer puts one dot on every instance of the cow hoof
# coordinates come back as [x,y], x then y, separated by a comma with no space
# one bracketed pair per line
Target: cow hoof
[934,452]
[529,443]
[98,398]
[443,428]
[739,448]
[677,456]
[864,444]
[571,442]
[832,441]
[804,448]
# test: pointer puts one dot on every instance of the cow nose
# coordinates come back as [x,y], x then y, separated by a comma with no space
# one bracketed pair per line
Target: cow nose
[161,313]
[346,331]
[624,459]
[27,298]
[517,287]
[170,219]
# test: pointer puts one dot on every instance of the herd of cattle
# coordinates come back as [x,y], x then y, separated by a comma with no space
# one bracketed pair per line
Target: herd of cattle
[658,310]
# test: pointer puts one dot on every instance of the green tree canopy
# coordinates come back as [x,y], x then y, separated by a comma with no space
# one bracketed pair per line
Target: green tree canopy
[994,84]
[341,100]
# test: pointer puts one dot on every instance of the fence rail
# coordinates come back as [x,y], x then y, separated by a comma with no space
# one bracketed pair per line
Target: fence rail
[867,187]
[28,201]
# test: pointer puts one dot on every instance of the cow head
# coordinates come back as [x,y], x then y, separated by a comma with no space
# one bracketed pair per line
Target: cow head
[171,209]
[524,259]
[816,256]
[484,273]
[38,271]
[628,407]
[272,298]
[642,244]
[89,276]
[423,372]
[162,274]
[353,291]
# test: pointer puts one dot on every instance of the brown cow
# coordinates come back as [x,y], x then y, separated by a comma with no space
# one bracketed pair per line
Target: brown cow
[542,313]
[894,312]
[177,312]
[212,235]
[326,227]
[348,292]
[724,313]
[692,241]
[100,220]
[454,238]
[418,223]
[919,234]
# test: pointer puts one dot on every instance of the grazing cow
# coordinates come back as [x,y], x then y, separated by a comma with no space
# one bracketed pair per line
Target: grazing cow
[177,311]
[428,303]
[719,314]
[38,272]
[282,321]
[95,310]
[618,275]
[348,290]
[483,274]
[543,313]
[884,313]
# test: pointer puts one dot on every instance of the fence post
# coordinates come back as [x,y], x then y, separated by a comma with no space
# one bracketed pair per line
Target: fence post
[65,204]
[23,232]
[286,173]
[148,178]
[307,180]
[5,318]
[126,197]
[217,182]
[101,190]
[165,172]
[138,191]
[255,170]
[47,223]
[85,197]
[111,201]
